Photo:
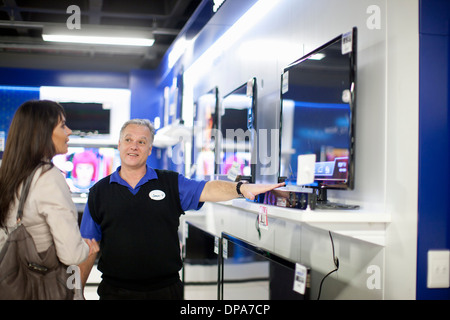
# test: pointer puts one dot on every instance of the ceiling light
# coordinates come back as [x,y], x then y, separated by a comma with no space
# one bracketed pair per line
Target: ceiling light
[99,40]
[100,36]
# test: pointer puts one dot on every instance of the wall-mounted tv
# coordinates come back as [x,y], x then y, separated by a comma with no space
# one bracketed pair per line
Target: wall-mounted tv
[83,166]
[237,127]
[318,103]
[87,118]
[251,272]
[206,112]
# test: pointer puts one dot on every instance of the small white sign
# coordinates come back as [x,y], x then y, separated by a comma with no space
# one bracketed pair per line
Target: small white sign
[305,169]
[301,275]
[347,43]
[285,82]
[263,220]
[225,248]
[216,245]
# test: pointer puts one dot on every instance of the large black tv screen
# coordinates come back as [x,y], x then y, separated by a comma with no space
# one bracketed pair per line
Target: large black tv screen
[251,272]
[87,118]
[318,95]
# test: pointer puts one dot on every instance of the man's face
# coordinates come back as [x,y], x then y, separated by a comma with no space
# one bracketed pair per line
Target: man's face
[135,146]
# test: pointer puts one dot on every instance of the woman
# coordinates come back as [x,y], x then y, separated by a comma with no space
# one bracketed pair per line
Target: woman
[37,133]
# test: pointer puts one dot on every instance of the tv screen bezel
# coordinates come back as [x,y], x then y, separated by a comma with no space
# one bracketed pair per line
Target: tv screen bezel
[214,91]
[251,125]
[350,184]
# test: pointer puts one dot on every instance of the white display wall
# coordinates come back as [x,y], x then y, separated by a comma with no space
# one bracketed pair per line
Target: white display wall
[377,244]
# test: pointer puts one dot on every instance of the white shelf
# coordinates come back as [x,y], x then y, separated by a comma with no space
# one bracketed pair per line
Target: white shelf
[365,226]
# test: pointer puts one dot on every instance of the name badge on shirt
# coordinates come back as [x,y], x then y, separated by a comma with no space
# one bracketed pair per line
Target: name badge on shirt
[157,195]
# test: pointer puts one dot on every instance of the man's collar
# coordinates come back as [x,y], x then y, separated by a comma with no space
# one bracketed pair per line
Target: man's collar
[150,174]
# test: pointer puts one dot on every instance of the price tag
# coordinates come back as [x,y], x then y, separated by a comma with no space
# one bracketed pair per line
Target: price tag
[347,41]
[225,248]
[285,82]
[216,245]
[301,274]
[263,220]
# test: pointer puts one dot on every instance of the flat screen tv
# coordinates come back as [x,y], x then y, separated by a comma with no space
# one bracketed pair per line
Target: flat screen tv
[83,166]
[237,128]
[250,272]
[201,263]
[318,104]
[206,112]
[87,118]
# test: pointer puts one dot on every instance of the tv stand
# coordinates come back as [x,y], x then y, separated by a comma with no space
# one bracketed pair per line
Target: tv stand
[323,203]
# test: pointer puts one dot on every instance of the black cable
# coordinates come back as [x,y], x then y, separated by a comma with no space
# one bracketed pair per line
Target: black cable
[336,264]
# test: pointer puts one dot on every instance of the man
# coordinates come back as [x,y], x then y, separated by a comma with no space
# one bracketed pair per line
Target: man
[134,213]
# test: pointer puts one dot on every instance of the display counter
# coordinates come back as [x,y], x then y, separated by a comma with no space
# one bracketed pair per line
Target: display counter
[358,224]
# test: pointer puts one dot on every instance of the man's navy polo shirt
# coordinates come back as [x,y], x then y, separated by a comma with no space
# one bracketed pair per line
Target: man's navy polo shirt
[190,191]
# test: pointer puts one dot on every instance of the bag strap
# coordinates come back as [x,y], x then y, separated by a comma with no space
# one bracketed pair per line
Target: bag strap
[25,190]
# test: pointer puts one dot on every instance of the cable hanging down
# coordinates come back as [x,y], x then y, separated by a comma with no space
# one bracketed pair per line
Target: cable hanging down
[336,264]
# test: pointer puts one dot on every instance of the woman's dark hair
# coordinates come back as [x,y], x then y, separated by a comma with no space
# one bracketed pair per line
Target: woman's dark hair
[29,142]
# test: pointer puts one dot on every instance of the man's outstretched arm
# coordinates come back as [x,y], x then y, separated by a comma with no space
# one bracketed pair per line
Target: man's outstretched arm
[217,190]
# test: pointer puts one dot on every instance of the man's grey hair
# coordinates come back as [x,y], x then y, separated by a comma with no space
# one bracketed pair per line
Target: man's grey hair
[140,122]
